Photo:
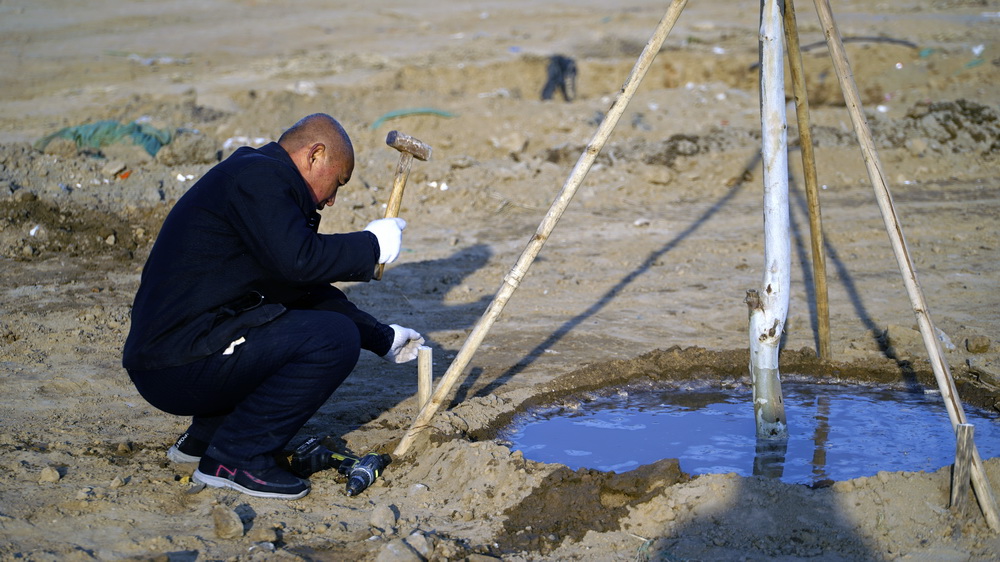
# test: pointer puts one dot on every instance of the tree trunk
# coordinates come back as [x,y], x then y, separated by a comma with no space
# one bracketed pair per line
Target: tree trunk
[769,307]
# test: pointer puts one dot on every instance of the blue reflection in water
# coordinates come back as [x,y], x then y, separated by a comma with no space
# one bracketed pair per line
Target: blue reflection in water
[835,432]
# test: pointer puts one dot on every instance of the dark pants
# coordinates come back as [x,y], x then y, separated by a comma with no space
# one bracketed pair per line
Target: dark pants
[250,404]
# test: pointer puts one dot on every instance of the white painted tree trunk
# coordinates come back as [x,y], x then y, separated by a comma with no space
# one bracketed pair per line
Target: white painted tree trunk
[769,307]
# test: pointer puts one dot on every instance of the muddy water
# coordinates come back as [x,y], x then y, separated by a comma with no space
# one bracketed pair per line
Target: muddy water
[836,432]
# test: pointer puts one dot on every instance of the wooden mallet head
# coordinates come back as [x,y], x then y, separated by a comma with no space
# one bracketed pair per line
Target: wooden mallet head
[409,145]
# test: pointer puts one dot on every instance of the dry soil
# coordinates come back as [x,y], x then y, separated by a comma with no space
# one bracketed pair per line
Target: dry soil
[642,281]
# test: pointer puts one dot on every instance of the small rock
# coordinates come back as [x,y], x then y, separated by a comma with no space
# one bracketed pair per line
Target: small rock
[113,168]
[661,175]
[384,517]
[23,196]
[978,344]
[397,550]
[65,148]
[843,486]
[261,533]
[462,162]
[132,155]
[187,148]
[419,542]
[917,146]
[118,482]
[513,143]
[903,342]
[49,474]
[228,524]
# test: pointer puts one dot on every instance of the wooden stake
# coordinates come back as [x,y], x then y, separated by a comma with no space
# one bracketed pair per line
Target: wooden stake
[980,483]
[797,72]
[513,279]
[963,463]
[425,375]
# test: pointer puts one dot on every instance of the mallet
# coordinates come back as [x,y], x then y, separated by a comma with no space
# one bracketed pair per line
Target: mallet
[409,148]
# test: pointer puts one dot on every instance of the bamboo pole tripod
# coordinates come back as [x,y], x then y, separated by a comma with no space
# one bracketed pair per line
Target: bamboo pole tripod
[980,483]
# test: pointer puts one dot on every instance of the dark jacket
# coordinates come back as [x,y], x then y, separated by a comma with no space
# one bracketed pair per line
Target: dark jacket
[237,249]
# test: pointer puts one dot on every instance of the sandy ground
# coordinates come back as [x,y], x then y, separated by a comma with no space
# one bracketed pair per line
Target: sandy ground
[642,281]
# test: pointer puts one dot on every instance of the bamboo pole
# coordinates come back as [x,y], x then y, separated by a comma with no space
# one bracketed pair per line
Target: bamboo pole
[768,308]
[513,279]
[797,72]
[980,483]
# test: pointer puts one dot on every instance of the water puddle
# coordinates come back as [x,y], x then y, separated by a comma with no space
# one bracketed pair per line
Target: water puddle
[836,432]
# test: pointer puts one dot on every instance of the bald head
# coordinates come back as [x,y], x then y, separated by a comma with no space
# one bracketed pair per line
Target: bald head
[322,152]
[318,127]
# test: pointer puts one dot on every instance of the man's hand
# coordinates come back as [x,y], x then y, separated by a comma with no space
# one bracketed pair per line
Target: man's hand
[390,237]
[404,345]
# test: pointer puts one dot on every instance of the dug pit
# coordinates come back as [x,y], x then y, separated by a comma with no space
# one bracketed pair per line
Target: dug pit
[835,431]
[572,501]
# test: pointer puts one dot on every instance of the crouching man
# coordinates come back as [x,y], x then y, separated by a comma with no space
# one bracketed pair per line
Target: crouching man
[236,323]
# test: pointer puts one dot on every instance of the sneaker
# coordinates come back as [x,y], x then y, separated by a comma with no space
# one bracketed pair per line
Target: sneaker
[273,482]
[187,449]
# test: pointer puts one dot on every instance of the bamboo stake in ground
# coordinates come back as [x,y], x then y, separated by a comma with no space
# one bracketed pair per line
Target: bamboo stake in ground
[797,72]
[980,483]
[769,307]
[520,269]
[425,375]
[963,463]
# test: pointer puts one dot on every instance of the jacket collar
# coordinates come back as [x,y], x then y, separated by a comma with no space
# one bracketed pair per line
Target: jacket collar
[275,150]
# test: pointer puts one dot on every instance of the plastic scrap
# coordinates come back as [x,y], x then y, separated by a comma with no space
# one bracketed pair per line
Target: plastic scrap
[415,111]
[103,133]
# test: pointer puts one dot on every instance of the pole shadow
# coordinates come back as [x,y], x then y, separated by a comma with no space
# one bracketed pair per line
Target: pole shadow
[797,196]
[610,295]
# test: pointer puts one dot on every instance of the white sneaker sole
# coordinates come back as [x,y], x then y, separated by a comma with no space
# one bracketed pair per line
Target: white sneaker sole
[175,455]
[217,482]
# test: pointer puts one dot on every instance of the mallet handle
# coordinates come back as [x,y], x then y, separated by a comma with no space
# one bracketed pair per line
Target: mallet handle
[396,197]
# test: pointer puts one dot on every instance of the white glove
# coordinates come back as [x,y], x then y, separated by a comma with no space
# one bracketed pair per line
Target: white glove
[390,237]
[405,345]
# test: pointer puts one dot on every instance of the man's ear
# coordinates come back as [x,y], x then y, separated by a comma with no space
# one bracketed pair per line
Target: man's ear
[316,154]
